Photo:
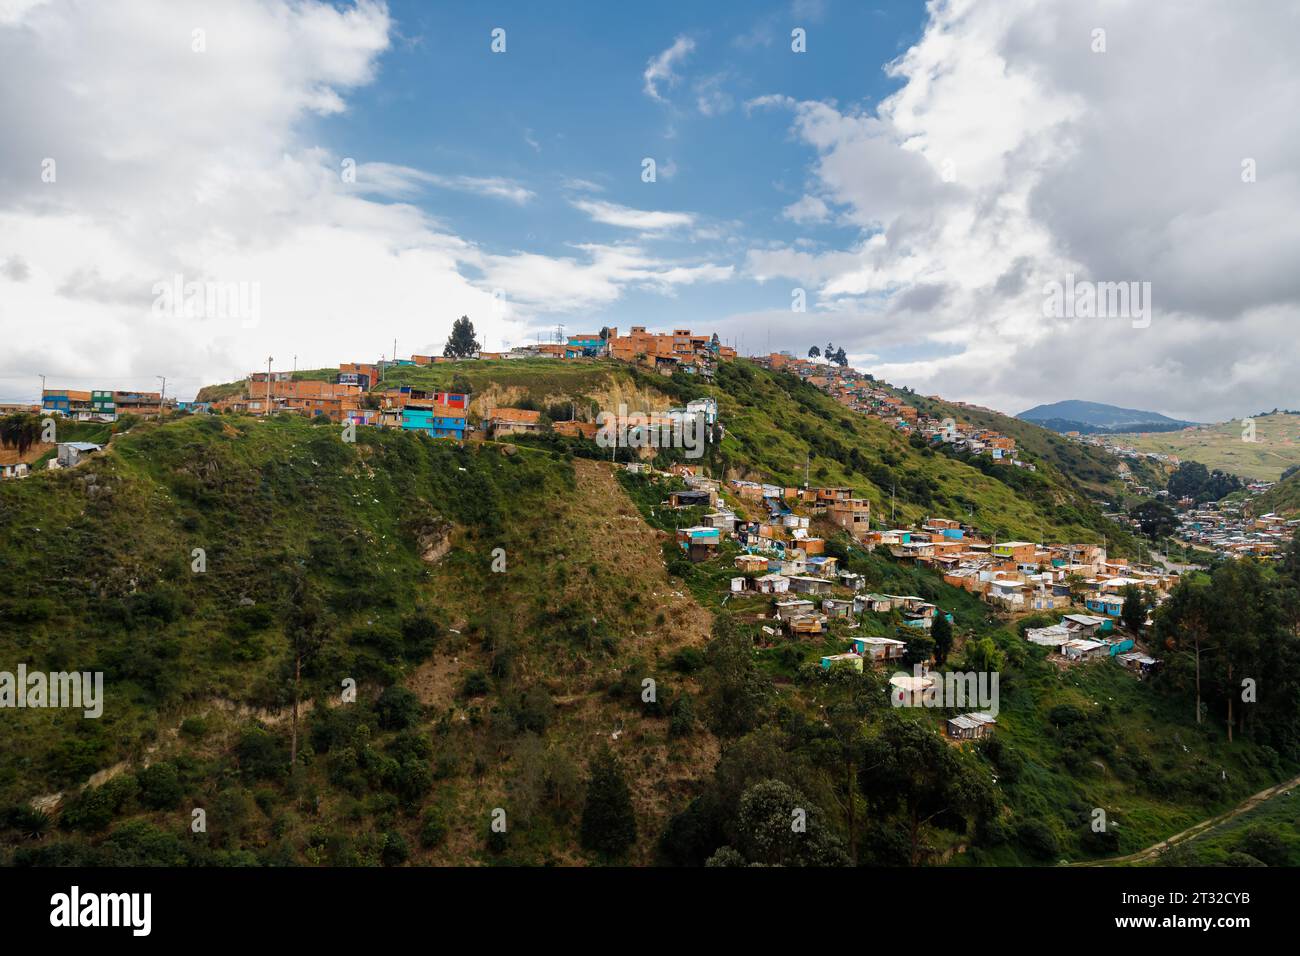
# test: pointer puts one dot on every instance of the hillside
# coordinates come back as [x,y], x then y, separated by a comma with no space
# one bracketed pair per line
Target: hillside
[1085,467]
[482,690]
[198,670]
[1092,417]
[1276,446]
[781,429]
[1283,498]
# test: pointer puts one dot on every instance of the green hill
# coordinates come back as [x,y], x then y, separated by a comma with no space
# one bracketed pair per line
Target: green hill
[482,690]
[1282,498]
[1276,446]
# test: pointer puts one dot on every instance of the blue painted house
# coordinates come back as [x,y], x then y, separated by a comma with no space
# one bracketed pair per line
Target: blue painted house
[432,423]
[1105,604]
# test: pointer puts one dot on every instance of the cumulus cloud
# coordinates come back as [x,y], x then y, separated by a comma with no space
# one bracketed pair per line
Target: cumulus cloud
[1012,155]
[167,164]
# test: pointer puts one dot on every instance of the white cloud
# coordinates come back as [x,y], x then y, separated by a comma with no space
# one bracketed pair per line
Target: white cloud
[659,70]
[398,181]
[808,209]
[1012,154]
[645,220]
[172,162]
[711,99]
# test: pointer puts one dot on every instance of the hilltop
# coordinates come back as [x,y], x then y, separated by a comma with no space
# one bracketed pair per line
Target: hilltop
[780,428]
[1092,417]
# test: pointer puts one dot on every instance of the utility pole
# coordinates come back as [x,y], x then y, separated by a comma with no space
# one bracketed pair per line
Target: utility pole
[268,386]
[42,400]
[295,365]
[162,396]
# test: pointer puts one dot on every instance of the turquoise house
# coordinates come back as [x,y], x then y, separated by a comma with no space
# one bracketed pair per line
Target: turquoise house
[436,426]
[1108,605]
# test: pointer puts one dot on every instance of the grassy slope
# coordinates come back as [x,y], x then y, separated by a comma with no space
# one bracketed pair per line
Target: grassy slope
[776,424]
[1283,498]
[1090,468]
[98,561]
[777,421]
[1278,816]
[1276,446]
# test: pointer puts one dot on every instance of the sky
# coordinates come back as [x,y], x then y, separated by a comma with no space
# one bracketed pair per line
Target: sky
[918,177]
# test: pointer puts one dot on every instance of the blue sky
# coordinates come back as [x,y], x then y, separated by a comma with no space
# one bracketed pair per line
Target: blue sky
[925,173]
[564,113]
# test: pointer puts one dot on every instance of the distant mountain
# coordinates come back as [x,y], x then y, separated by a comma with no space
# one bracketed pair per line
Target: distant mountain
[1093,417]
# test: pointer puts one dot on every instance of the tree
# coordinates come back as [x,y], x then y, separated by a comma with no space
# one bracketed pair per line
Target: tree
[20,432]
[778,826]
[850,697]
[461,343]
[306,628]
[920,648]
[982,656]
[908,767]
[841,359]
[1134,611]
[1188,479]
[1185,621]
[814,352]
[1155,518]
[941,634]
[828,351]
[608,823]
[737,692]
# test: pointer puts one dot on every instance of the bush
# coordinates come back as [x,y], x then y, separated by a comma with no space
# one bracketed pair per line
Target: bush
[1036,837]
[260,755]
[1265,846]
[397,708]
[476,684]
[433,828]
[160,786]
[95,807]
[395,851]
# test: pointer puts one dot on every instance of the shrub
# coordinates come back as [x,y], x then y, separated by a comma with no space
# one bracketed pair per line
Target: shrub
[397,708]
[433,828]
[160,786]
[395,851]
[260,755]
[476,684]
[1036,837]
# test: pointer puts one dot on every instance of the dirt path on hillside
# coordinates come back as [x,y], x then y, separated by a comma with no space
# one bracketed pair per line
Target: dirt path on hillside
[1205,826]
